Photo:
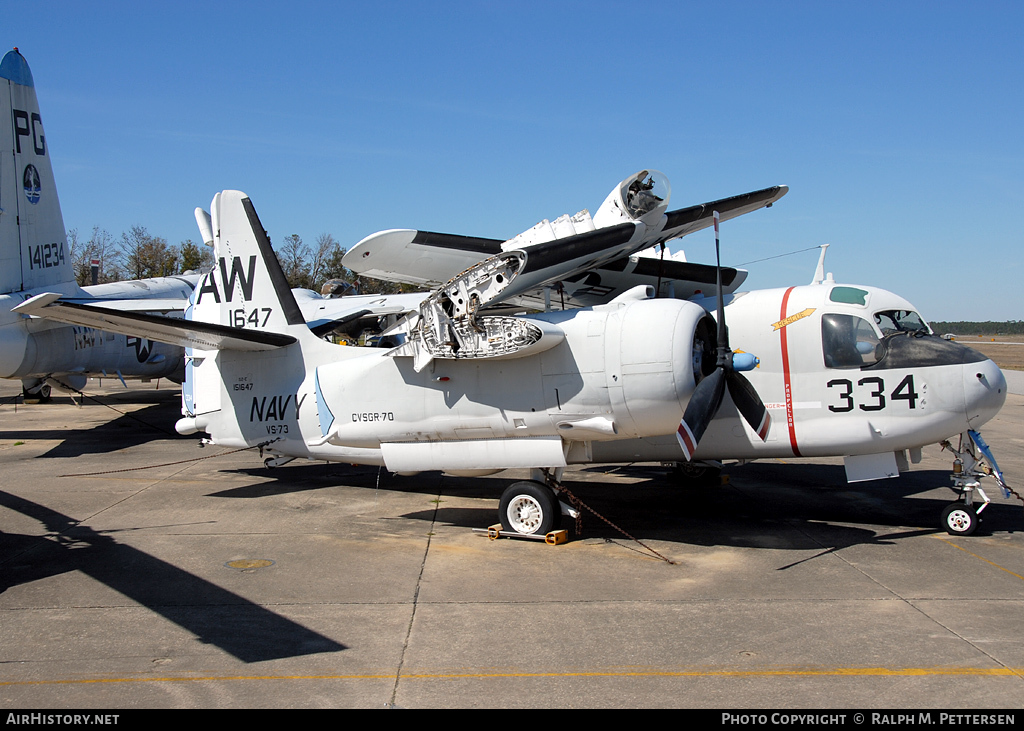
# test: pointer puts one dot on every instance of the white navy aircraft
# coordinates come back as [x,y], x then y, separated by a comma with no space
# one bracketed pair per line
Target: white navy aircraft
[34,259]
[828,369]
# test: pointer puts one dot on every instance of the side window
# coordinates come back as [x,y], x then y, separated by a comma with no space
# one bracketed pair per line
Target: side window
[848,341]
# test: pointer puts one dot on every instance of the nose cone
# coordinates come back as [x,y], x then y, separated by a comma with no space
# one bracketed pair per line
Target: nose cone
[984,391]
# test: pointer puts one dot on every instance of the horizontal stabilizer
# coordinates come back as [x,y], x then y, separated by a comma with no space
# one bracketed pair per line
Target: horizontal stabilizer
[175,331]
[170,304]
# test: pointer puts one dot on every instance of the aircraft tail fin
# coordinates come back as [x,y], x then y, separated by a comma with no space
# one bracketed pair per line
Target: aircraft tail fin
[247,288]
[33,244]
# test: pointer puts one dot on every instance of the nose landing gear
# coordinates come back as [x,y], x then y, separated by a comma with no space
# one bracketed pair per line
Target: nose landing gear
[972,460]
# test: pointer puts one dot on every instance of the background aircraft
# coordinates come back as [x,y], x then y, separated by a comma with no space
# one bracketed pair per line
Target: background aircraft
[35,259]
[847,370]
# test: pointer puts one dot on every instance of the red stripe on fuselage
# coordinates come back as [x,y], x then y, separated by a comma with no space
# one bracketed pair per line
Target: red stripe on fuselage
[785,376]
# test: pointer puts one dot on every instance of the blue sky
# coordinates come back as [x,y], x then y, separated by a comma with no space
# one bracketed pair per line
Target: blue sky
[897,126]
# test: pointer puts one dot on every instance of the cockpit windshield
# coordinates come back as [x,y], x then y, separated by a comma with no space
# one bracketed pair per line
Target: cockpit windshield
[895,321]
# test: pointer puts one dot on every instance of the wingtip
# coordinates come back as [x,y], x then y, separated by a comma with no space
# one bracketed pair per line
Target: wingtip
[780,190]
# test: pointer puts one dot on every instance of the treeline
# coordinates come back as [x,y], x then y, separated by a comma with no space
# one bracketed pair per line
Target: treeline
[1010,327]
[139,255]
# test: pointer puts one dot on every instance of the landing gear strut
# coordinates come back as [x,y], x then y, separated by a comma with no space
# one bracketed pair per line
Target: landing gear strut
[972,460]
[696,474]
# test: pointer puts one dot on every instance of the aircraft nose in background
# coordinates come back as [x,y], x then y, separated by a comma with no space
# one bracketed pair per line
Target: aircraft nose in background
[984,391]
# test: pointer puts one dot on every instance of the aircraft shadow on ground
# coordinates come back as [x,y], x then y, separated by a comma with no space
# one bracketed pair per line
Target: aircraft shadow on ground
[765,505]
[777,506]
[214,615]
[127,430]
[302,476]
[772,504]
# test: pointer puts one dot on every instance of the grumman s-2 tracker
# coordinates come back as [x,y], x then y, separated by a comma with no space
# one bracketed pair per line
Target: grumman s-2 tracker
[828,369]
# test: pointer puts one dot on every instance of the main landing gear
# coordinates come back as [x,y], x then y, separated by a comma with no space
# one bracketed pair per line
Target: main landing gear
[959,519]
[529,508]
[532,507]
[972,460]
[38,393]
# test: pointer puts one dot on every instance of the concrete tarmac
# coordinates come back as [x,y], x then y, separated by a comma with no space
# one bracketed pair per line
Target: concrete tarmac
[133,578]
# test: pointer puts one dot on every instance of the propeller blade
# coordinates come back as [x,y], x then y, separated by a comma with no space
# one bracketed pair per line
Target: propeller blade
[723,331]
[701,409]
[707,396]
[749,404]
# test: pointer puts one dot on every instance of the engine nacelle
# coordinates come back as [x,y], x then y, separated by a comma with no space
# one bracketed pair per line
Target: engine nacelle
[655,351]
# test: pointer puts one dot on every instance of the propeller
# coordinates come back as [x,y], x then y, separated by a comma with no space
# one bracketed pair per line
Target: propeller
[707,396]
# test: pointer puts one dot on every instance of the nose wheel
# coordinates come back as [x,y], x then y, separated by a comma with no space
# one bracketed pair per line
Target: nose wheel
[960,519]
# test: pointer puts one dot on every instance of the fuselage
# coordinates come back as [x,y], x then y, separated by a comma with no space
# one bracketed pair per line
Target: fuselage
[843,371]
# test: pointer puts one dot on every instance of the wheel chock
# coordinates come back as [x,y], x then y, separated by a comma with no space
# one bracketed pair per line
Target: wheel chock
[553,538]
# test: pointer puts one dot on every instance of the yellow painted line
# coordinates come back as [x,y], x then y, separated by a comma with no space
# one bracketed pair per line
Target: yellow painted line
[823,672]
[980,558]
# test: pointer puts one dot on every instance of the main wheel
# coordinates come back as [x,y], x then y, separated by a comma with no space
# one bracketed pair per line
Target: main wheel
[529,508]
[959,520]
[36,396]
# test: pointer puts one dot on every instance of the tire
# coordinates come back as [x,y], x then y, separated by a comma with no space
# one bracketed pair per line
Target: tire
[40,396]
[959,520]
[529,508]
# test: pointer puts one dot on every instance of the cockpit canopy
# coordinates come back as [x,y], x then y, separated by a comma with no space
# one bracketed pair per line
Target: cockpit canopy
[849,341]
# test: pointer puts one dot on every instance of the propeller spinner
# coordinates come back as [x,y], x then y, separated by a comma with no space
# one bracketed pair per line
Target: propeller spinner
[707,396]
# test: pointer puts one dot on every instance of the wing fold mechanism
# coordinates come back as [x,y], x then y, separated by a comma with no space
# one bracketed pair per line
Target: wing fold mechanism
[633,217]
[448,325]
